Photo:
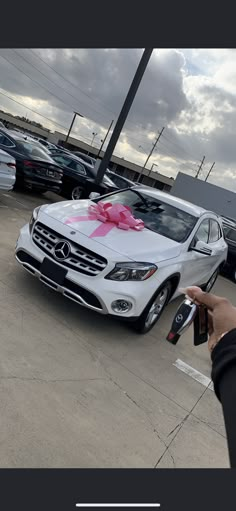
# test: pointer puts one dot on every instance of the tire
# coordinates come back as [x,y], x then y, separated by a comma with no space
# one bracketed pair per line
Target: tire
[77,192]
[153,310]
[38,191]
[209,285]
[233,273]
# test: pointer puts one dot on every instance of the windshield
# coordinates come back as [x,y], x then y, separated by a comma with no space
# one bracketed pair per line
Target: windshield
[157,215]
[34,151]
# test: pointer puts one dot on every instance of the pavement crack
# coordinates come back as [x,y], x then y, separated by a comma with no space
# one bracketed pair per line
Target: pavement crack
[140,408]
[46,380]
[180,427]
[176,427]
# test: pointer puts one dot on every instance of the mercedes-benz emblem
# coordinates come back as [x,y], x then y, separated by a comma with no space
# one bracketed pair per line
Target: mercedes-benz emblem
[179,318]
[62,250]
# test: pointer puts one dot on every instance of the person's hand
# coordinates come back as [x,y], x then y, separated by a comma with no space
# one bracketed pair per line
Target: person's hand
[221,314]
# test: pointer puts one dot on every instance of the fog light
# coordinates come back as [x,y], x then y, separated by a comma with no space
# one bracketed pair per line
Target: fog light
[121,306]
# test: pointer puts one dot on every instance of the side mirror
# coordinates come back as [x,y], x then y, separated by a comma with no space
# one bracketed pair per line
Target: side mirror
[94,195]
[200,247]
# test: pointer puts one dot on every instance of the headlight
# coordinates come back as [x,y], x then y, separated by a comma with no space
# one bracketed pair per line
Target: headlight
[132,271]
[34,217]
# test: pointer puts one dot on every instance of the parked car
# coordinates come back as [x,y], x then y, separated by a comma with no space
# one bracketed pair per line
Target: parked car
[85,157]
[229,227]
[58,150]
[79,178]
[44,142]
[120,181]
[7,171]
[35,169]
[124,273]
[26,136]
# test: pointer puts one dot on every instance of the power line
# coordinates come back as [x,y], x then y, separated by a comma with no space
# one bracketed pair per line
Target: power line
[56,84]
[82,91]
[34,111]
[37,83]
[66,80]
[178,146]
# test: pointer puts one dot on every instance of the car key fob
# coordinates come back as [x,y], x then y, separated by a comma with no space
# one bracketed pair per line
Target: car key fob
[200,326]
[184,317]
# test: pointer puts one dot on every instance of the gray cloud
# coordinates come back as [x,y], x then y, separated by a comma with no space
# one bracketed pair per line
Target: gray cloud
[177,92]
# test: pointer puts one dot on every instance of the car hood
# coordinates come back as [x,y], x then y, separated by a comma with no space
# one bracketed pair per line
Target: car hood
[142,245]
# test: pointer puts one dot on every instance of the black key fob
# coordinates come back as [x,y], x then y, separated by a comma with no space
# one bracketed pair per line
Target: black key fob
[200,326]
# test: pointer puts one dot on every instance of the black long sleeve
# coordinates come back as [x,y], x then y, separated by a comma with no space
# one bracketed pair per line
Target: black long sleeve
[224,379]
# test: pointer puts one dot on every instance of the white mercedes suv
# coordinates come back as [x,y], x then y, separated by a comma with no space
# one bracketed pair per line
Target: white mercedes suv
[124,272]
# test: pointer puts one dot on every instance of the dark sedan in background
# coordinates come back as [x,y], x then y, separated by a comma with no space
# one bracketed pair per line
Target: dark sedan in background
[229,228]
[79,178]
[35,169]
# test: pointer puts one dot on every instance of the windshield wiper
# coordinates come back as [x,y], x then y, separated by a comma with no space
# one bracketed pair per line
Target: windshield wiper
[146,202]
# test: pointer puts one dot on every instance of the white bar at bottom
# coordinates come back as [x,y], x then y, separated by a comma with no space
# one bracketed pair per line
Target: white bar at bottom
[119,505]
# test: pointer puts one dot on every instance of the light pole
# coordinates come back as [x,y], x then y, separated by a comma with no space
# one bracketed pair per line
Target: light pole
[71,126]
[123,114]
[94,136]
[153,165]
[104,140]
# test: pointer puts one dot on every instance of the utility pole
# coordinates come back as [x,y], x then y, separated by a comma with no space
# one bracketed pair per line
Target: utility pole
[150,154]
[210,171]
[124,113]
[200,166]
[103,142]
[71,126]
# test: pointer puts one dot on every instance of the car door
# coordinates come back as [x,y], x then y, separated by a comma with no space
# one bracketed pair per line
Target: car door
[216,243]
[195,265]
[7,171]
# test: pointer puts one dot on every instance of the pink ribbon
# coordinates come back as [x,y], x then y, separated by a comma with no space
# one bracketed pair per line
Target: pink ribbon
[111,215]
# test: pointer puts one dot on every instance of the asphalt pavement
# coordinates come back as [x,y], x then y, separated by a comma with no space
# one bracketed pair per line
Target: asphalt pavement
[82,390]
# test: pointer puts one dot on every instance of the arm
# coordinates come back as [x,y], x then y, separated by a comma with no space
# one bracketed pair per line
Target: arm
[224,379]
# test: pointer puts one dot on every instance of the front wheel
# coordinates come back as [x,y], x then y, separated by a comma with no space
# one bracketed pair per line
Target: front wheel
[153,310]
[233,274]
[77,192]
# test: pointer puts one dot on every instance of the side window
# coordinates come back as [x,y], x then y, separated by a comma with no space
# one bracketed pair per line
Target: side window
[215,231]
[231,235]
[78,167]
[62,160]
[202,233]
[6,141]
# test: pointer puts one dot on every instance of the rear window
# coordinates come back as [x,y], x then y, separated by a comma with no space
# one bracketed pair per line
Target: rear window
[158,216]
[34,151]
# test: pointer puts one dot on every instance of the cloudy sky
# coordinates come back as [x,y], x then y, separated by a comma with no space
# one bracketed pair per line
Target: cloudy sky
[190,92]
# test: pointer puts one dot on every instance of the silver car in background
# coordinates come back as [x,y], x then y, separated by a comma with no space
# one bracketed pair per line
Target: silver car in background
[7,171]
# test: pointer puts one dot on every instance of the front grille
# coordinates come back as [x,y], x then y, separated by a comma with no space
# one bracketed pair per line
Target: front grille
[80,258]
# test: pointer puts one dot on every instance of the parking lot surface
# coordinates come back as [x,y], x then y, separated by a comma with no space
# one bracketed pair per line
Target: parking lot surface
[81,390]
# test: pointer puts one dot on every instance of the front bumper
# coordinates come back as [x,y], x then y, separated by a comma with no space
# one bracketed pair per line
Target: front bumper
[96,293]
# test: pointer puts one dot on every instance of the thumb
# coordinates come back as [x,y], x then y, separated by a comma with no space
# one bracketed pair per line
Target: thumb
[207,299]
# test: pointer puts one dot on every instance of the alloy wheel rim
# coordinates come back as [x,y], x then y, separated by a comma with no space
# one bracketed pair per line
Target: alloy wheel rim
[157,306]
[76,193]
